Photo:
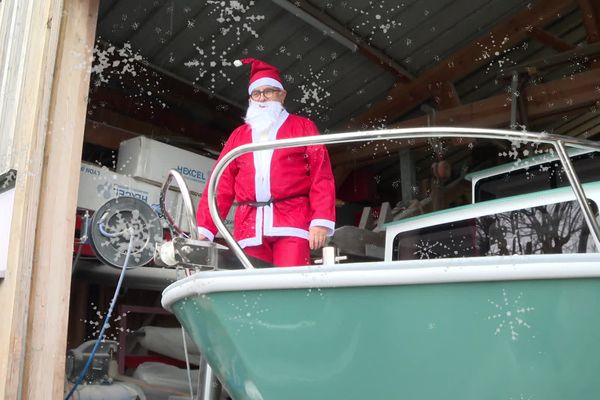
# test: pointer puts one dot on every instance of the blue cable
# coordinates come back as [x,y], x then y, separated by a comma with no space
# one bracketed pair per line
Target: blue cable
[110,309]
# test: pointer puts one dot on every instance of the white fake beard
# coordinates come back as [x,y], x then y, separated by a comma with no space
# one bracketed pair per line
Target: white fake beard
[262,115]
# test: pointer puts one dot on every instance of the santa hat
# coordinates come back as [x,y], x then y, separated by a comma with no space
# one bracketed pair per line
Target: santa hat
[260,74]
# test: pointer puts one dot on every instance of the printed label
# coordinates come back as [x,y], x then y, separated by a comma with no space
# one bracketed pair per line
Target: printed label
[195,174]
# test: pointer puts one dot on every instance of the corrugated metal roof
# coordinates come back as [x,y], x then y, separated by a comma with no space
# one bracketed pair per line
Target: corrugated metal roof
[196,42]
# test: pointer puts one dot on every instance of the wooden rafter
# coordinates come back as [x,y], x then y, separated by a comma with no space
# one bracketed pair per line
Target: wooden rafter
[405,97]
[591,16]
[554,97]
[550,39]
[164,120]
[445,95]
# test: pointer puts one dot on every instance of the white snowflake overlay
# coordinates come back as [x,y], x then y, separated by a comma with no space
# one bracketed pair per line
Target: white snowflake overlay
[496,54]
[249,312]
[509,315]
[120,223]
[235,20]
[521,152]
[314,93]
[378,18]
[111,63]
[96,323]
[451,246]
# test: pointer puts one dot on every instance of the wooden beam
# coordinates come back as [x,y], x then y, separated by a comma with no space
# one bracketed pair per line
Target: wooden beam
[105,135]
[550,98]
[550,40]
[533,67]
[405,97]
[572,124]
[44,367]
[29,31]
[158,120]
[108,128]
[445,95]
[590,13]
[586,130]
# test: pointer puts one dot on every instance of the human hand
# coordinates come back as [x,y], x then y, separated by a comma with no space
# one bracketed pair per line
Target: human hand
[202,237]
[317,235]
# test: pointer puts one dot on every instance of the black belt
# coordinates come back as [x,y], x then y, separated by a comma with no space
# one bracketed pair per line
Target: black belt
[266,203]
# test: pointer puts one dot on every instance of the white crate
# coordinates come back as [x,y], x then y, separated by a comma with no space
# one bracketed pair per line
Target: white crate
[151,160]
[97,185]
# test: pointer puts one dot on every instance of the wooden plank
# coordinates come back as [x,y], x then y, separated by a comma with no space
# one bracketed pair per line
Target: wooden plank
[405,97]
[44,367]
[28,38]
[550,98]
[105,135]
[591,15]
[164,120]
[445,95]
[550,40]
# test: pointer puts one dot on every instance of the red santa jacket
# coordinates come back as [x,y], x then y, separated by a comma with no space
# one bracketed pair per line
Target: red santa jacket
[300,175]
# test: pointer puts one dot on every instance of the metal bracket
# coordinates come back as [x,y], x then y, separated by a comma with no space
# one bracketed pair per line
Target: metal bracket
[329,257]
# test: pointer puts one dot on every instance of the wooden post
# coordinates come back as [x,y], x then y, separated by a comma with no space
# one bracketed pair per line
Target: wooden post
[29,31]
[44,366]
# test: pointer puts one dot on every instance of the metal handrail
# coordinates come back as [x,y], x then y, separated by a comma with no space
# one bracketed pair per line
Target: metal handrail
[557,141]
[187,202]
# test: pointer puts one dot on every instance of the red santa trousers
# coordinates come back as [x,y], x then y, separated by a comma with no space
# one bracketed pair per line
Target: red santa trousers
[282,251]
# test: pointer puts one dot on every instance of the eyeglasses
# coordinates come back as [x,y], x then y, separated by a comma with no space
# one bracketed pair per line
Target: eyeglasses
[268,93]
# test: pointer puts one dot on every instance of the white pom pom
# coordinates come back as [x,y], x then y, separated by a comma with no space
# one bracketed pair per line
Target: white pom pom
[238,63]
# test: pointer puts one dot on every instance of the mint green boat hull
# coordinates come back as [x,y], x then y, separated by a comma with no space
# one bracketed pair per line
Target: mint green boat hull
[528,339]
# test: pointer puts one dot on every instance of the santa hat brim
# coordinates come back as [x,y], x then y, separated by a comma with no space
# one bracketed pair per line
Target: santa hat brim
[264,81]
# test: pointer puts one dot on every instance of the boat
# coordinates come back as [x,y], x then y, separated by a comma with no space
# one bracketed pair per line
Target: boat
[454,310]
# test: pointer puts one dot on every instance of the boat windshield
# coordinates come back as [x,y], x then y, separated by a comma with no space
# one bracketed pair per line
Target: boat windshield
[557,228]
[527,178]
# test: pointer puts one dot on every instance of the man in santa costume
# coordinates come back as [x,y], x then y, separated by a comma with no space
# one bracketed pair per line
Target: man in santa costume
[285,197]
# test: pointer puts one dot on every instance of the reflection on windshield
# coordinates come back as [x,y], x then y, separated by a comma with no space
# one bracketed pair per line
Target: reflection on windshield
[548,229]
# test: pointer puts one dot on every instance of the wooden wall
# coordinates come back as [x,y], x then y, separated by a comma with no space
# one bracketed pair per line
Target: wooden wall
[45,49]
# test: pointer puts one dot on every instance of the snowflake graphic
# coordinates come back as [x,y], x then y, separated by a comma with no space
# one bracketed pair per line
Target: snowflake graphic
[376,123]
[377,18]
[233,15]
[110,63]
[235,20]
[495,52]
[208,64]
[426,250]
[437,148]
[97,321]
[520,153]
[314,94]
[509,315]
[248,312]
[456,247]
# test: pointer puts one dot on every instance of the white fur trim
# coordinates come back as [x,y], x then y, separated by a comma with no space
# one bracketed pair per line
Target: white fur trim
[207,233]
[238,63]
[264,81]
[325,223]
[271,230]
[256,240]
[262,161]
